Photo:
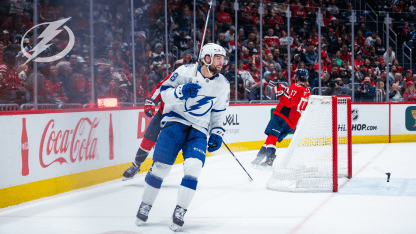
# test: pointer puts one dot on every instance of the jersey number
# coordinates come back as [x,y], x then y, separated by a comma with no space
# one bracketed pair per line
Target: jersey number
[302,105]
[293,93]
[173,76]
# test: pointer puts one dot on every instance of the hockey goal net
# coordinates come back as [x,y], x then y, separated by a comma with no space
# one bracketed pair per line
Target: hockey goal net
[315,160]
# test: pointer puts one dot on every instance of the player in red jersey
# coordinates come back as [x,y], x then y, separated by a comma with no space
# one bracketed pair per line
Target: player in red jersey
[152,131]
[293,100]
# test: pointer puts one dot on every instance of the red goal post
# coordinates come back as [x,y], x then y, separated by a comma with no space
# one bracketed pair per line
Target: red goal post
[320,151]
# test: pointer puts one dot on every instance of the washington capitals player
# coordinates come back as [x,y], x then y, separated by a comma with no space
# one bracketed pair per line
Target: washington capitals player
[293,100]
[152,131]
[194,107]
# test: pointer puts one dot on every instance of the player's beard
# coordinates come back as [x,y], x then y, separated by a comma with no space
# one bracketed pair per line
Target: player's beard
[214,69]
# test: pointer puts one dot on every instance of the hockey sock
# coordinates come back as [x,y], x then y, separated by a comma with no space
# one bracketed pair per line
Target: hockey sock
[143,151]
[186,191]
[154,180]
[271,141]
[141,155]
[192,168]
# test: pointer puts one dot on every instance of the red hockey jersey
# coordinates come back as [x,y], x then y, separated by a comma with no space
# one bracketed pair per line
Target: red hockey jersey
[292,103]
[155,95]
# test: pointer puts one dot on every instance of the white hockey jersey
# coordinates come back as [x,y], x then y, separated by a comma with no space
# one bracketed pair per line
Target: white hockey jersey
[204,112]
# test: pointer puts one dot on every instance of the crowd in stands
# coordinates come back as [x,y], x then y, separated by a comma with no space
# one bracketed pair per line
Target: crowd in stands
[69,79]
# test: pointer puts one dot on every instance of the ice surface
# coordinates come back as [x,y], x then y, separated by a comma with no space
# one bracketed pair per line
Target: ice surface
[226,202]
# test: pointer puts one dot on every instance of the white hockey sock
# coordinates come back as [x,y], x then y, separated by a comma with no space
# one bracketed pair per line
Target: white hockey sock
[185,195]
[149,194]
[154,179]
[192,169]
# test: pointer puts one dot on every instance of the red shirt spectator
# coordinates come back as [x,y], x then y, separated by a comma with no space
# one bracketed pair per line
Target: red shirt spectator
[309,5]
[272,40]
[223,17]
[410,93]
[346,57]
[10,77]
[408,76]
[313,40]
[357,64]
[299,13]
[323,68]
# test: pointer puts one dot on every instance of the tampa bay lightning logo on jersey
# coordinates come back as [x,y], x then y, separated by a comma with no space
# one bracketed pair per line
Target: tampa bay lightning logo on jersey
[199,106]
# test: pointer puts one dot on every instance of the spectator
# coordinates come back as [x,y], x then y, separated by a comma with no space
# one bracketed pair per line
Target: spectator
[313,40]
[223,19]
[77,82]
[372,38]
[331,39]
[381,95]
[10,86]
[324,82]
[380,49]
[399,68]
[244,74]
[158,55]
[252,38]
[345,89]
[366,92]
[334,89]
[395,95]
[252,50]
[269,60]
[270,39]
[392,73]
[359,75]
[334,73]
[311,55]
[64,73]
[398,81]
[345,55]
[410,93]
[408,76]
[230,34]
[391,55]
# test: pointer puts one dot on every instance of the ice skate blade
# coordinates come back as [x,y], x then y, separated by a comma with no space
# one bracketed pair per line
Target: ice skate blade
[139,222]
[174,227]
[125,178]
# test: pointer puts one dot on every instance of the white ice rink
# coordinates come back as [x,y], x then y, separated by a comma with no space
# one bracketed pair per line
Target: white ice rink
[226,202]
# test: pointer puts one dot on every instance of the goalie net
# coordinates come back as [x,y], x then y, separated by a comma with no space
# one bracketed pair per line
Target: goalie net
[314,161]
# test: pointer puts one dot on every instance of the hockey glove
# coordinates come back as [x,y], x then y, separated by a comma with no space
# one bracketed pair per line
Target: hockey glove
[280,90]
[149,108]
[215,140]
[189,90]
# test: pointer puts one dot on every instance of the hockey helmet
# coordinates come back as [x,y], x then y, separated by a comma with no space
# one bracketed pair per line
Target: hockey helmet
[211,49]
[302,74]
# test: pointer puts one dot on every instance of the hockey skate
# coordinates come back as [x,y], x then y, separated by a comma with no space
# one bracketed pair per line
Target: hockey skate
[143,213]
[177,218]
[267,165]
[260,156]
[131,172]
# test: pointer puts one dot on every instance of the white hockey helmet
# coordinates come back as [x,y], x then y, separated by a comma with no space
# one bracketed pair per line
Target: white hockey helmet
[211,49]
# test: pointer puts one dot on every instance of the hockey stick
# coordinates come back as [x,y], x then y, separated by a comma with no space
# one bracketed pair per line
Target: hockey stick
[384,172]
[203,37]
[250,179]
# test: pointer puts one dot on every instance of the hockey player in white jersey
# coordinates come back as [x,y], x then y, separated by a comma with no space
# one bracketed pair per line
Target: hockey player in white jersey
[195,105]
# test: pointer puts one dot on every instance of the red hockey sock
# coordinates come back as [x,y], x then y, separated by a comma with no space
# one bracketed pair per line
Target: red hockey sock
[271,140]
[147,144]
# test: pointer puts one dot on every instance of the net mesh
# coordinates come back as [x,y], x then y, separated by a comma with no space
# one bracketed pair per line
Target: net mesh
[307,165]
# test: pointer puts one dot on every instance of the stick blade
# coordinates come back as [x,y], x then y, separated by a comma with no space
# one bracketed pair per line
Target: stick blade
[380,170]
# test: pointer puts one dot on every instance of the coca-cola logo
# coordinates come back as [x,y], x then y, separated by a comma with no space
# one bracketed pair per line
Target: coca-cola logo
[80,141]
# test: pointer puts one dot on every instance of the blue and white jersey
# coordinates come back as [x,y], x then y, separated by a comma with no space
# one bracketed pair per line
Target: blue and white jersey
[204,112]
